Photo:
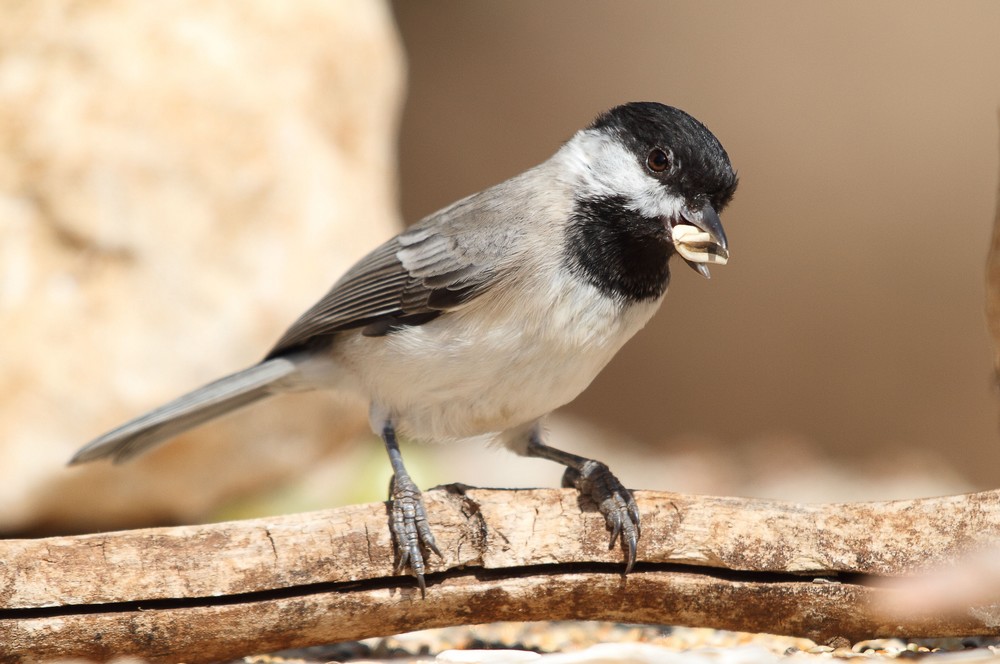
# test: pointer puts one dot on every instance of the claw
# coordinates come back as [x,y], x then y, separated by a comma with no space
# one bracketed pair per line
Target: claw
[632,545]
[616,530]
[633,514]
[615,502]
[410,529]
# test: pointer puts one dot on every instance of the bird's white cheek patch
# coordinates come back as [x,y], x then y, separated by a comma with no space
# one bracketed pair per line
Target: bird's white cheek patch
[698,246]
[609,169]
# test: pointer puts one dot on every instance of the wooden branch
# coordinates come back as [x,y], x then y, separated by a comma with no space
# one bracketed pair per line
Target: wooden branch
[219,591]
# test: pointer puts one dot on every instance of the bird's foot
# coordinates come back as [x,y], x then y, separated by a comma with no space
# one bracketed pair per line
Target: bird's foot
[615,502]
[409,528]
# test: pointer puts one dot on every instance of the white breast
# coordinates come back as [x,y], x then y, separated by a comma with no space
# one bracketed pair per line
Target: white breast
[499,363]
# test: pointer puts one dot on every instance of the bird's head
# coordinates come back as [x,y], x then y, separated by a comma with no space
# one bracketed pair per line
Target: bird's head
[658,164]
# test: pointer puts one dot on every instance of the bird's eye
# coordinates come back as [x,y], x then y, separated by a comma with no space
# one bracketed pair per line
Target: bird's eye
[657,160]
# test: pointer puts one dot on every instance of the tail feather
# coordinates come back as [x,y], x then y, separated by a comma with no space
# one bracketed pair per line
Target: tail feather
[186,412]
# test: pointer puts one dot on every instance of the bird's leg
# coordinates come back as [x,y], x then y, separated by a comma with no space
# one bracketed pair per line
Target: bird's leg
[594,480]
[409,518]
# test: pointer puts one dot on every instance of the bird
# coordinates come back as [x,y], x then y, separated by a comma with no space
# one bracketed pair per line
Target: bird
[482,318]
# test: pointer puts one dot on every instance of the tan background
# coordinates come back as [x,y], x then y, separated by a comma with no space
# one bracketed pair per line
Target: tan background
[865,135]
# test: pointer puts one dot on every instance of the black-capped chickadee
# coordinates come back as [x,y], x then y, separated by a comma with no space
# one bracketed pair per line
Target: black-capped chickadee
[487,315]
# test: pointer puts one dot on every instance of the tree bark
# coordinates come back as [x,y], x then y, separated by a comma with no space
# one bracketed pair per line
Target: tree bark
[210,592]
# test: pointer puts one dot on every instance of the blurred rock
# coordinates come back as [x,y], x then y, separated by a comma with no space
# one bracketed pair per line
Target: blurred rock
[178,181]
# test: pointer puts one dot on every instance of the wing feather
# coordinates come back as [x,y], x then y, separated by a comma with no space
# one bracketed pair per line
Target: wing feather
[409,280]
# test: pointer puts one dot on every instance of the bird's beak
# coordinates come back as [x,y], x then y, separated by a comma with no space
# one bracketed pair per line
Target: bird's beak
[700,239]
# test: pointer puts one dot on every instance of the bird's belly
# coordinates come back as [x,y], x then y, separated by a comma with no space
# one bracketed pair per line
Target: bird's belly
[490,389]
[469,375]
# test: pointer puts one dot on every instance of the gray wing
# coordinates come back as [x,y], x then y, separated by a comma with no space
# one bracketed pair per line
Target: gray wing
[409,280]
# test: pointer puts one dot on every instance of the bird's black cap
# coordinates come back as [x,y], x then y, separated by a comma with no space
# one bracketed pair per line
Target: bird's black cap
[703,171]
